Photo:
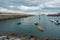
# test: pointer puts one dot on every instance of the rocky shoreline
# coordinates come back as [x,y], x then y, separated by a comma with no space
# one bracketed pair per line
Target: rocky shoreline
[15,36]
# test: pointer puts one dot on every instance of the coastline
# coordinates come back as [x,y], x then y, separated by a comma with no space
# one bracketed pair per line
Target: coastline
[58,14]
[53,15]
[6,16]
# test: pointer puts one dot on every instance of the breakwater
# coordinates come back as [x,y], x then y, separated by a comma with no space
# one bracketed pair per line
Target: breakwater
[4,15]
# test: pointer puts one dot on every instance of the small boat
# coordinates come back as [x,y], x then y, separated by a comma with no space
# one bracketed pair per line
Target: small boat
[36,23]
[52,20]
[57,22]
[19,23]
[40,27]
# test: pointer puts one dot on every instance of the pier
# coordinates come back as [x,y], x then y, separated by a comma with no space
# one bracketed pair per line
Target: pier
[5,15]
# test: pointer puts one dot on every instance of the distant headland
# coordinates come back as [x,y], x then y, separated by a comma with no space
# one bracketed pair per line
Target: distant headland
[58,14]
[7,15]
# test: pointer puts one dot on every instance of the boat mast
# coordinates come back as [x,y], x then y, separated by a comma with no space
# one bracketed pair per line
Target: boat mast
[39,18]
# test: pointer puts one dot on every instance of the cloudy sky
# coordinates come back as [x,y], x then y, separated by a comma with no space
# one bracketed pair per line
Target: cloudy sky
[30,6]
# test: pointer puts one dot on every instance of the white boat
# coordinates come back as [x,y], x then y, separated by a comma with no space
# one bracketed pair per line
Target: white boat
[52,20]
[55,21]
[37,23]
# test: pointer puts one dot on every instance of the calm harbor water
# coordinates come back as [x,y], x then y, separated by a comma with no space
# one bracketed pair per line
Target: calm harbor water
[28,27]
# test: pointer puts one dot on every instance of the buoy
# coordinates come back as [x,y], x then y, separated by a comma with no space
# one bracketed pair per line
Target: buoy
[40,28]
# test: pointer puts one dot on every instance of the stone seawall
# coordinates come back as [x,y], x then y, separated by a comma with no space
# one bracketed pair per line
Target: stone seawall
[12,16]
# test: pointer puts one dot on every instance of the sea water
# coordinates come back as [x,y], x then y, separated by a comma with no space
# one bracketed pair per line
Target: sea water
[28,27]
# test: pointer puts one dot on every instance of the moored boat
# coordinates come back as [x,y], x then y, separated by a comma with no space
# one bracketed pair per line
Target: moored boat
[40,28]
